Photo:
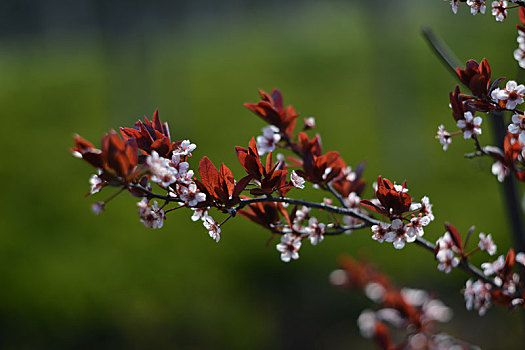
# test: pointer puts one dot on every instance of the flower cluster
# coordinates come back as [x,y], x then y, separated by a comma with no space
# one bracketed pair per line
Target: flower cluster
[407,218]
[412,313]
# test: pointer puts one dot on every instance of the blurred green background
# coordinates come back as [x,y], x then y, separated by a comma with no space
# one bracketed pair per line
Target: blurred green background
[71,280]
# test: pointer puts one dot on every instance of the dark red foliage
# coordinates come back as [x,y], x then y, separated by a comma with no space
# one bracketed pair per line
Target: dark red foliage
[270,178]
[219,185]
[476,77]
[272,111]
[344,186]
[116,156]
[151,136]
[456,237]
[266,214]
[458,110]
[393,203]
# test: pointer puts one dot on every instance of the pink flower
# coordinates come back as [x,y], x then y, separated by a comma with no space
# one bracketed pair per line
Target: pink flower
[191,195]
[499,10]
[289,247]
[297,180]
[512,94]
[444,137]
[476,6]
[470,125]
[270,137]
[518,126]
[487,244]
[150,216]
[214,229]
[315,231]
[447,260]
[185,148]
[380,231]
[477,296]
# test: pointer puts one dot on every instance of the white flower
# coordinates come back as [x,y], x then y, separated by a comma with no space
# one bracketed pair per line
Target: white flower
[470,125]
[445,241]
[191,195]
[297,180]
[270,137]
[447,260]
[96,183]
[476,6]
[375,292]
[214,229]
[367,323]
[487,244]
[512,94]
[454,4]
[415,228]
[520,258]
[98,207]
[499,10]
[444,137]
[199,213]
[397,234]
[185,148]
[518,126]
[426,208]
[379,231]
[477,296]
[500,170]
[309,123]
[289,247]
[519,53]
[315,231]
[161,171]
[150,216]
[490,268]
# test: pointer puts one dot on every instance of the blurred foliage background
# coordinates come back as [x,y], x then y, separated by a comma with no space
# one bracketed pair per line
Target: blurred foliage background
[71,280]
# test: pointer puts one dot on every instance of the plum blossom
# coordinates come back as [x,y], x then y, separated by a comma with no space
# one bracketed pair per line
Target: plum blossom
[520,258]
[476,6]
[98,208]
[426,208]
[444,137]
[315,230]
[518,126]
[490,268]
[477,296]
[470,125]
[309,123]
[447,260]
[512,94]
[96,183]
[454,4]
[289,247]
[380,231]
[297,180]
[398,234]
[501,170]
[415,228]
[150,215]
[162,173]
[519,53]
[185,148]
[214,229]
[487,244]
[499,10]
[191,195]
[367,323]
[199,213]
[270,137]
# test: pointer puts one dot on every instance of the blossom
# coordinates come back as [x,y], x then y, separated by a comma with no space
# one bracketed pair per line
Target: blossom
[214,229]
[309,123]
[315,230]
[150,215]
[426,208]
[477,296]
[476,6]
[297,180]
[518,126]
[270,137]
[415,228]
[200,213]
[454,4]
[379,231]
[490,268]
[499,10]
[98,207]
[185,148]
[289,247]
[367,323]
[501,170]
[447,260]
[470,125]
[96,183]
[444,137]
[519,54]
[191,195]
[398,234]
[161,172]
[487,244]
[520,258]
[445,241]
[512,94]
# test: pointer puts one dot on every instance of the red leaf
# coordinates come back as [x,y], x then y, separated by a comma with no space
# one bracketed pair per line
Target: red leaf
[209,174]
[227,180]
[456,237]
[241,185]
[521,14]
